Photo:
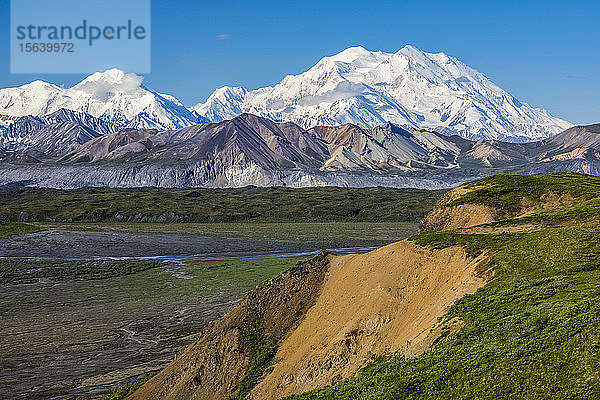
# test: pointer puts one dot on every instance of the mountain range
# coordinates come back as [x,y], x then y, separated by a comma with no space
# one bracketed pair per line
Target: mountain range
[358,118]
[410,88]
[115,97]
[251,150]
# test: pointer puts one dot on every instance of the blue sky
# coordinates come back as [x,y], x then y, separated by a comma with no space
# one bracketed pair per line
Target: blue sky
[545,53]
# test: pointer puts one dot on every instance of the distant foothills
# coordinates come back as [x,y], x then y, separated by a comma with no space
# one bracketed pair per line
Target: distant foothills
[60,152]
[358,118]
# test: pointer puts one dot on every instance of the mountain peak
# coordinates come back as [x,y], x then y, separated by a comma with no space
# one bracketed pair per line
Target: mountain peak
[113,75]
[354,51]
[410,48]
[355,54]
[102,84]
[38,84]
[114,96]
[228,91]
[410,88]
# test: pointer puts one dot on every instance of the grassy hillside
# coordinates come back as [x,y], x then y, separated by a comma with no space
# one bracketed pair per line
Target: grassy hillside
[533,331]
[218,205]
[507,192]
[15,228]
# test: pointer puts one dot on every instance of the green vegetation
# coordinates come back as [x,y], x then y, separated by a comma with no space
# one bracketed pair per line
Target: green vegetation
[584,211]
[319,259]
[243,275]
[16,228]
[533,332]
[506,192]
[212,275]
[311,234]
[217,205]
[19,271]
[261,352]
[122,392]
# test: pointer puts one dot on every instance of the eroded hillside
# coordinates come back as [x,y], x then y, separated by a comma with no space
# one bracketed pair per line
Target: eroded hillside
[385,301]
[532,331]
[408,320]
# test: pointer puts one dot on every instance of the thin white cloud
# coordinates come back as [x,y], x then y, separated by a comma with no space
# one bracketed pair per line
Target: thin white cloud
[223,36]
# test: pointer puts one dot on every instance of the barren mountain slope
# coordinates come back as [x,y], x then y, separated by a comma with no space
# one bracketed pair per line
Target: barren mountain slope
[250,150]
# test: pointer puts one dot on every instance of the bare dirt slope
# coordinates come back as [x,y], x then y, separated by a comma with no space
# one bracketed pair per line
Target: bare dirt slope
[328,325]
[462,216]
[380,302]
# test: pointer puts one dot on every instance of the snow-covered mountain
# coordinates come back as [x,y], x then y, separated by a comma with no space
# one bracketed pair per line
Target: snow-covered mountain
[410,88]
[113,96]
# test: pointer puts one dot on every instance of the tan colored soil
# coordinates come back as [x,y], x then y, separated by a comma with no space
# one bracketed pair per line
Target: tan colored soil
[487,230]
[384,301]
[463,216]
